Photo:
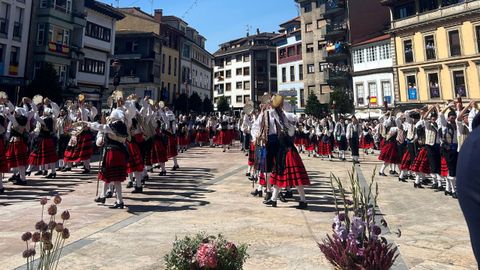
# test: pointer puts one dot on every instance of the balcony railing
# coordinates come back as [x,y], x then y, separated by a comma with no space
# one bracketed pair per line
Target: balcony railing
[17,30]
[333,7]
[336,52]
[336,77]
[3,26]
[335,30]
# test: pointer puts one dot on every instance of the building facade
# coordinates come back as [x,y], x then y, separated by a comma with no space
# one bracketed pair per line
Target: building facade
[98,49]
[372,76]
[437,50]
[290,64]
[245,69]
[14,31]
[329,27]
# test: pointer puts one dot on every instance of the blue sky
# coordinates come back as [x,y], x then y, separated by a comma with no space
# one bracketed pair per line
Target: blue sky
[222,20]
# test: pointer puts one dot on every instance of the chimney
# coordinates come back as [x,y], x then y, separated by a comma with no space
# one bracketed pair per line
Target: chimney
[158,15]
[258,31]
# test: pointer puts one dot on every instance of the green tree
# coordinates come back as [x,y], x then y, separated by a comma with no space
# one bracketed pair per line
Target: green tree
[207,105]
[222,104]
[343,101]
[314,107]
[195,103]
[180,103]
[46,84]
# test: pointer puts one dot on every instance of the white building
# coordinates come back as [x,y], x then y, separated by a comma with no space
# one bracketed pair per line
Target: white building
[14,32]
[290,64]
[245,69]
[98,49]
[372,76]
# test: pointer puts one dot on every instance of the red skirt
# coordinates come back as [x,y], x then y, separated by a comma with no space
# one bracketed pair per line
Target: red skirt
[406,162]
[310,146]
[389,153]
[224,137]
[135,158]
[261,179]
[297,141]
[444,168]
[294,173]
[366,144]
[201,136]
[45,153]
[157,153]
[16,154]
[183,140]
[251,154]
[3,160]
[172,146]
[421,164]
[82,151]
[324,148]
[114,166]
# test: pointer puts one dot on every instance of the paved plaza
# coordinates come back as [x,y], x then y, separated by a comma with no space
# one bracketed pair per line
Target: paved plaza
[210,193]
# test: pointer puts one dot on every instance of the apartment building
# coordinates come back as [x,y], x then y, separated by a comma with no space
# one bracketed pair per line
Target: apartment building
[290,64]
[372,76]
[437,49]
[14,31]
[245,69]
[329,27]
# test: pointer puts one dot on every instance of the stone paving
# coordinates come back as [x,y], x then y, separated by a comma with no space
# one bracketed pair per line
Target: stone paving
[210,193]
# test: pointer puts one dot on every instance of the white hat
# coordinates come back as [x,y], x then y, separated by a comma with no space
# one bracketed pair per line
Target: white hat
[117,115]
[20,111]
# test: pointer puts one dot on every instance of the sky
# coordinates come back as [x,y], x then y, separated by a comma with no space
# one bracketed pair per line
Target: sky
[221,20]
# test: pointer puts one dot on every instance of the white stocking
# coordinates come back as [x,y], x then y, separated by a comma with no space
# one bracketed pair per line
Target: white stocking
[175,162]
[21,170]
[301,192]
[118,191]
[52,168]
[382,169]
[86,163]
[275,192]
[162,165]
[138,179]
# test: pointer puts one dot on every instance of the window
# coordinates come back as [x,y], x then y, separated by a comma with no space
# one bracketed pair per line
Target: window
[239,85]
[387,91]
[169,65]
[360,93]
[320,23]
[228,87]
[163,63]
[451,2]
[371,54]
[3,48]
[282,53]
[310,68]
[284,74]
[299,49]
[239,99]
[308,27]
[307,7]
[4,16]
[373,94]
[246,57]
[273,57]
[426,5]
[228,73]
[454,42]
[246,71]
[63,5]
[300,72]
[311,89]
[58,35]
[98,32]
[408,50]
[228,61]
[175,67]
[459,83]
[186,51]
[238,72]
[322,66]
[246,85]
[405,10]
[310,48]
[40,34]
[93,66]
[273,71]
[61,73]
[239,58]
[384,51]
[433,86]
[302,97]
[291,51]
[412,87]
[358,57]
[292,73]
[18,25]
[430,47]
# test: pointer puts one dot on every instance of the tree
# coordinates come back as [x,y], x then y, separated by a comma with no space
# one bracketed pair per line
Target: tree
[343,101]
[222,104]
[314,107]
[195,103]
[207,105]
[46,84]
[180,103]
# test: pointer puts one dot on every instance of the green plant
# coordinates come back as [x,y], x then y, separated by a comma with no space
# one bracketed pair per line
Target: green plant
[205,252]
[222,104]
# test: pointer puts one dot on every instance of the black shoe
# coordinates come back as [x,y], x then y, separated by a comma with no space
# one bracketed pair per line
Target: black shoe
[117,206]
[434,186]
[440,188]
[85,171]
[99,200]
[288,194]
[411,177]
[175,167]
[415,185]
[138,190]
[224,150]
[247,174]
[251,178]
[454,195]
[402,179]
[162,173]
[246,154]
[256,192]
[448,193]
[302,205]
[281,198]
[44,173]
[393,173]
[51,176]
[381,174]
[66,169]
[38,173]
[14,178]
[130,184]
[270,202]
[109,194]
[145,179]
[268,196]
[28,173]
[20,182]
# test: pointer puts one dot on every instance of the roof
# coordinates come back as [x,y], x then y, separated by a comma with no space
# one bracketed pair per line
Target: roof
[296,19]
[104,9]
[372,40]
[173,18]
[245,41]
[134,33]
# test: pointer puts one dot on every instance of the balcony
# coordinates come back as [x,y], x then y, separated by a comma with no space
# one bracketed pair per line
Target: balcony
[3,26]
[58,48]
[127,80]
[17,30]
[335,31]
[337,77]
[79,18]
[334,8]
[336,52]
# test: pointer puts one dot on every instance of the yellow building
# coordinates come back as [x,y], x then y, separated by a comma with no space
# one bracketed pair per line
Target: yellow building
[437,49]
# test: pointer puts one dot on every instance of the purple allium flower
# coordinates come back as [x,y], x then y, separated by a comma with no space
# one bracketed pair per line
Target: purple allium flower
[26,236]
[207,255]
[43,201]
[376,230]
[51,225]
[348,202]
[59,227]
[65,233]
[361,252]
[65,215]
[26,253]
[32,252]
[341,231]
[341,216]
[57,199]
[41,226]
[36,237]
[52,210]
[46,236]
[357,226]
[47,246]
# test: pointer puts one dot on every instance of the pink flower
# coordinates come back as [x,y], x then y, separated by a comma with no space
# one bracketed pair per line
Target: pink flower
[26,236]
[207,255]
[36,237]
[57,199]
[52,210]
[41,226]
